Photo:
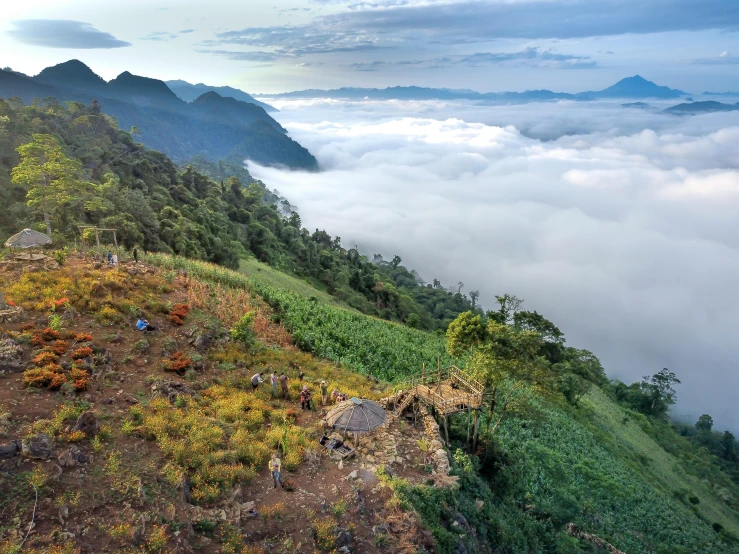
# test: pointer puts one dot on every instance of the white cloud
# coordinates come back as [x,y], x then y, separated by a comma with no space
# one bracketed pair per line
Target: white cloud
[625,237]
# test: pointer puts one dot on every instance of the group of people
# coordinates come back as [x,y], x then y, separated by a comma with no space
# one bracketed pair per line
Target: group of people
[112,259]
[306,397]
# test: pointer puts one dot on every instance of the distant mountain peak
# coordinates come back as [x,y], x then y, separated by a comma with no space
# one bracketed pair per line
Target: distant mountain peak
[136,84]
[72,73]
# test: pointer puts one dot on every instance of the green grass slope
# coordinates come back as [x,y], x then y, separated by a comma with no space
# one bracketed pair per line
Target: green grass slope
[267,275]
[594,466]
[611,478]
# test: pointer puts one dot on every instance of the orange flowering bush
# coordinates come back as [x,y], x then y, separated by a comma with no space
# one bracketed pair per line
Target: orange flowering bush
[44,376]
[50,334]
[37,339]
[179,313]
[45,358]
[83,337]
[59,347]
[178,362]
[79,378]
[82,352]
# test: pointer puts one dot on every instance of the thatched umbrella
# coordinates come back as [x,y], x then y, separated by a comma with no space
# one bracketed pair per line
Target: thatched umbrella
[28,238]
[356,416]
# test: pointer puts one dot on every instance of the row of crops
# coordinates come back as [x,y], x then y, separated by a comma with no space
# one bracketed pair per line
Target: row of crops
[365,344]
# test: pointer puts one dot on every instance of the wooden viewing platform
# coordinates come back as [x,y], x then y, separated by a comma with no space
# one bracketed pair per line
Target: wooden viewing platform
[448,390]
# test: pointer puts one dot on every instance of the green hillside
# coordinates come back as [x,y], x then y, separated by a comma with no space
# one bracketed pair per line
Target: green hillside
[596,464]
[559,447]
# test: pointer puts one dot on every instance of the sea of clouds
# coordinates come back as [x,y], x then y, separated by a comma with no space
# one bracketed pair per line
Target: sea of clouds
[618,224]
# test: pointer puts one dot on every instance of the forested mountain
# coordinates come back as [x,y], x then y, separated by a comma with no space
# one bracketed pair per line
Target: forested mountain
[212,126]
[189,92]
[706,106]
[211,211]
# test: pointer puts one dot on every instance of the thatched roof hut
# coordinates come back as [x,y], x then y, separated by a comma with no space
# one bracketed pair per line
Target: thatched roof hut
[356,416]
[28,238]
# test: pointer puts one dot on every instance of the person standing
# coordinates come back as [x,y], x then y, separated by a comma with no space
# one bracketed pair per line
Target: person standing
[256,380]
[305,398]
[324,392]
[115,260]
[135,255]
[283,384]
[275,468]
[273,380]
[109,256]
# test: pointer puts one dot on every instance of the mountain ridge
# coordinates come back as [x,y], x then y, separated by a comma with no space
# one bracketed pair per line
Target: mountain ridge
[189,92]
[629,87]
[218,128]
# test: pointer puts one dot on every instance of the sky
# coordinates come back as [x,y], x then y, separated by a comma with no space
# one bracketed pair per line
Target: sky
[268,46]
[619,225]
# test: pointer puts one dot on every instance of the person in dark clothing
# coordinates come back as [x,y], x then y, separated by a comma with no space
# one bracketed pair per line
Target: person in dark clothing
[135,255]
[110,257]
[305,398]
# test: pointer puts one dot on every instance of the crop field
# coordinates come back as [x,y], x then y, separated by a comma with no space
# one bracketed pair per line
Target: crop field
[261,272]
[372,346]
[572,472]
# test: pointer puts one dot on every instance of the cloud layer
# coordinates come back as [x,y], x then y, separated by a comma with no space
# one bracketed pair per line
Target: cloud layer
[623,235]
[61,33]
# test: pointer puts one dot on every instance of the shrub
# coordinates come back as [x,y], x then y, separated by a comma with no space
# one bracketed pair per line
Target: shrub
[44,376]
[60,256]
[107,315]
[324,533]
[83,337]
[241,331]
[178,362]
[55,322]
[179,313]
[45,358]
[27,327]
[50,334]
[38,338]
[81,353]
[59,347]
[79,378]
[9,350]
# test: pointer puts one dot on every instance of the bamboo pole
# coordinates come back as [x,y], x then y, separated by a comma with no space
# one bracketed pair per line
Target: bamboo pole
[469,423]
[474,432]
[446,430]
[117,250]
[97,240]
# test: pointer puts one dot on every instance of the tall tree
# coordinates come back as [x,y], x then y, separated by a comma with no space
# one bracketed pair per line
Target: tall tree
[474,295]
[54,182]
[704,423]
[504,359]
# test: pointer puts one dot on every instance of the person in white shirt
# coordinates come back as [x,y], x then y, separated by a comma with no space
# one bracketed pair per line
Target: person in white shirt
[256,380]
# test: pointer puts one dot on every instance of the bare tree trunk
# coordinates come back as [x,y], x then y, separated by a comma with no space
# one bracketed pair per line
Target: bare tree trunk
[47,220]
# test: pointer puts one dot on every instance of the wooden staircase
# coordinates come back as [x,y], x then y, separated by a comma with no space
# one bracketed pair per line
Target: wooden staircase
[408,399]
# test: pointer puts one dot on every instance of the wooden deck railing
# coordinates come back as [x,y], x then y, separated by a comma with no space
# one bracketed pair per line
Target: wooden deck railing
[468,392]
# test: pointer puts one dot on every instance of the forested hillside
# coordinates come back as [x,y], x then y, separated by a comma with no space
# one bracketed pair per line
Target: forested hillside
[563,459]
[211,125]
[205,210]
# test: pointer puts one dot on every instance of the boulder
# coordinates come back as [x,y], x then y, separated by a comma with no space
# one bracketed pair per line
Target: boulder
[343,538]
[72,457]
[202,342]
[38,447]
[87,423]
[9,449]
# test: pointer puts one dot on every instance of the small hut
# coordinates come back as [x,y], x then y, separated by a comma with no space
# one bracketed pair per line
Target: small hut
[356,416]
[28,238]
